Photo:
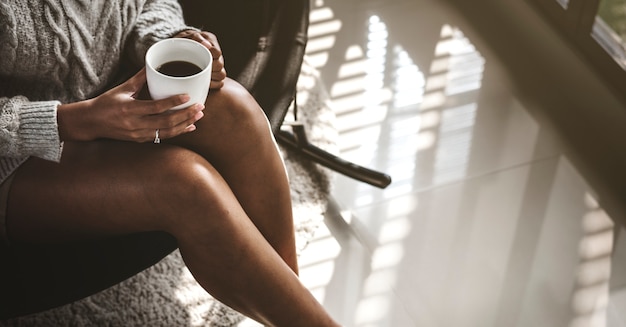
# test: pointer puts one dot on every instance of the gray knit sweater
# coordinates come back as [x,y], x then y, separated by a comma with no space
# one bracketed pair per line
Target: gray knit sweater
[56,51]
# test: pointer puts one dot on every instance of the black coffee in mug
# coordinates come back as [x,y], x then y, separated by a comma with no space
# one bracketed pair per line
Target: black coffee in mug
[179,68]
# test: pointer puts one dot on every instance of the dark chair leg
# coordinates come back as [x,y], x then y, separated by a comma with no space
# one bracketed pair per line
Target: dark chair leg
[297,141]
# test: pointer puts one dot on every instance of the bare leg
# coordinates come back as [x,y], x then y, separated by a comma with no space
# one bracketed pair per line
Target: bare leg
[221,191]
[105,188]
[236,138]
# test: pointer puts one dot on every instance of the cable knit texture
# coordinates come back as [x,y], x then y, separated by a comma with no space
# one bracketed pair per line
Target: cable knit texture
[54,51]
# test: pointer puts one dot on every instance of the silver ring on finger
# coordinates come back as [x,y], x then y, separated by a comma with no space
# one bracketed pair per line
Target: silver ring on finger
[157,140]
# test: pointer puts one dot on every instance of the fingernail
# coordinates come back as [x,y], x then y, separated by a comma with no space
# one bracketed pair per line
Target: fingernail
[199,115]
[191,128]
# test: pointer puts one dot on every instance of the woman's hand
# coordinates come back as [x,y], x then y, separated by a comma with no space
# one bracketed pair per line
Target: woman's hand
[118,114]
[209,40]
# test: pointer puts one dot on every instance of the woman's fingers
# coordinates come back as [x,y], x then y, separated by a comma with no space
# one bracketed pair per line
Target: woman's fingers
[170,123]
[155,107]
[174,119]
[185,126]
[218,72]
[209,40]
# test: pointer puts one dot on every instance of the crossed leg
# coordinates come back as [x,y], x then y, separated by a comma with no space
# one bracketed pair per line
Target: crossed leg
[238,142]
[221,191]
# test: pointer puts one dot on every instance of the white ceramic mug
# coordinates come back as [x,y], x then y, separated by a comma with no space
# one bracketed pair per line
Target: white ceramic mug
[178,49]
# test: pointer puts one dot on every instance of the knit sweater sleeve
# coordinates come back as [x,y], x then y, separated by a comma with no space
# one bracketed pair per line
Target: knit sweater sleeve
[158,20]
[29,129]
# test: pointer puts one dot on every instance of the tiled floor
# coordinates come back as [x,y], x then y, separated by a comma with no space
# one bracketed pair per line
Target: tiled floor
[487,222]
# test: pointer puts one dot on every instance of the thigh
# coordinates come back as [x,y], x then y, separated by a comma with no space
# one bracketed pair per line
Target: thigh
[99,188]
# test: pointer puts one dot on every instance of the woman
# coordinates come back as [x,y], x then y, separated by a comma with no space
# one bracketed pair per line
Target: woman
[87,156]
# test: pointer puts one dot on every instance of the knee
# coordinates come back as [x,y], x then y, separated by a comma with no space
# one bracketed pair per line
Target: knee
[237,110]
[186,189]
